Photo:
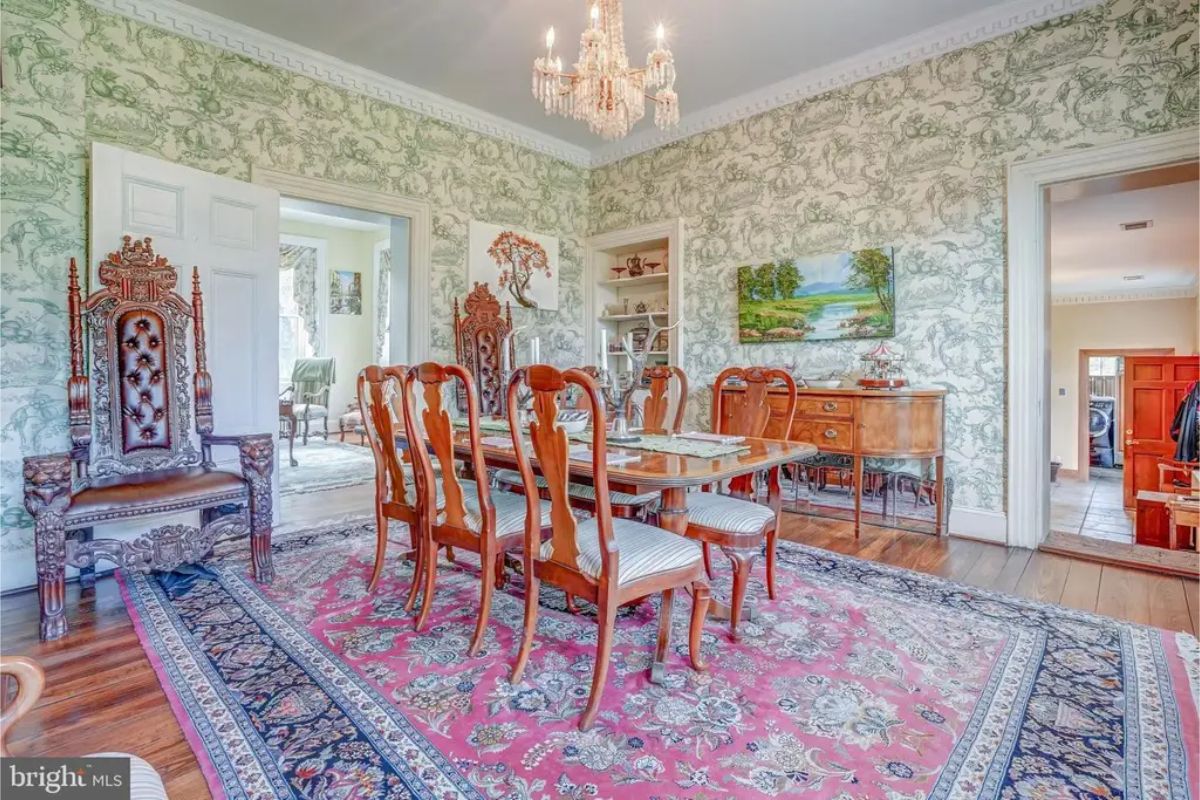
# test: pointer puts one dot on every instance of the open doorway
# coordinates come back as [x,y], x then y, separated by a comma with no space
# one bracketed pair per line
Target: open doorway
[336,308]
[1124,255]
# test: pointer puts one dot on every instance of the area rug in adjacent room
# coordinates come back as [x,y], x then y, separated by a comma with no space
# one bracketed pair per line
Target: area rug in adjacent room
[324,465]
[859,681]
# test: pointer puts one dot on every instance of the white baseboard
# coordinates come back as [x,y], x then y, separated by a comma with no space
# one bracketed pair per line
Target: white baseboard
[979,523]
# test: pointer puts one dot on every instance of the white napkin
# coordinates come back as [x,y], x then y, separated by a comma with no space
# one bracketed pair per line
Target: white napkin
[719,438]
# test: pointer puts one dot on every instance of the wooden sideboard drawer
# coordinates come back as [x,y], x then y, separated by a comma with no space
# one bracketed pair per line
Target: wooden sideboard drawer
[829,435]
[825,407]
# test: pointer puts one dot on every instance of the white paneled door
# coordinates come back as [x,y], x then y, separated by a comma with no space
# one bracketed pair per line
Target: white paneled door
[230,230]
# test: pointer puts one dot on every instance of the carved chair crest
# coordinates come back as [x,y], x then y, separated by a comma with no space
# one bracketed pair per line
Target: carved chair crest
[479,339]
[135,416]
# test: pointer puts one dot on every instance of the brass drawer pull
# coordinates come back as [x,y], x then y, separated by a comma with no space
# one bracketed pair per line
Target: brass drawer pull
[830,433]
[830,405]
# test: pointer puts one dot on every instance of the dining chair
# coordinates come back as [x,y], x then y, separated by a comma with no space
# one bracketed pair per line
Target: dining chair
[395,490]
[468,515]
[608,561]
[654,416]
[734,522]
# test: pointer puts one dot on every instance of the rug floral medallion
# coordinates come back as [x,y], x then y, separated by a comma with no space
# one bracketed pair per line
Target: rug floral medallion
[859,681]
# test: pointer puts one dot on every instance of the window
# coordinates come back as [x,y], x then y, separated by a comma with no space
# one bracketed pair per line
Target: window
[301,284]
[1103,366]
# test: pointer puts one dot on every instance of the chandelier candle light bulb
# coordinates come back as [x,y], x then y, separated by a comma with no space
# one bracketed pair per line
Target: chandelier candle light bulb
[604,90]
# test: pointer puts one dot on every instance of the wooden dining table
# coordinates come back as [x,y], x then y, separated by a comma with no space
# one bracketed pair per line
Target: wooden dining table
[670,474]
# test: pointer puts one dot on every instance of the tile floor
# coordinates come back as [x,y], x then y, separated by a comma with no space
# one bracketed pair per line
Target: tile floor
[1092,507]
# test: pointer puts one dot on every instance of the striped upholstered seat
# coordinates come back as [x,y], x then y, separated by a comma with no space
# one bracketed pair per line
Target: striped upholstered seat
[645,550]
[510,510]
[723,513]
[581,491]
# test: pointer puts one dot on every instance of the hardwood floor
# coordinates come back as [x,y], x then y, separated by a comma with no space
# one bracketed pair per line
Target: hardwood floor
[102,694]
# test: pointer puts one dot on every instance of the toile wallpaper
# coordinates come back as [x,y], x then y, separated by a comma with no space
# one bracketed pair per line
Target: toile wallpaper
[74,74]
[915,159]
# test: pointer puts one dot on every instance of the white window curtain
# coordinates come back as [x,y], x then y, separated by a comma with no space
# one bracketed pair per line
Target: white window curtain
[383,317]
[299,315]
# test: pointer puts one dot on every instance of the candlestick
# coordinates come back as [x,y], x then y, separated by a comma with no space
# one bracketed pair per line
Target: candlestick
[603,348]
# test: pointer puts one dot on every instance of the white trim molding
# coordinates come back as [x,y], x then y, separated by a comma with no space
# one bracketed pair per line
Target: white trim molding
[420,218]
[1028,308]
[202,26]
[954,35]
[1126,296]
[234,37]
[978,523]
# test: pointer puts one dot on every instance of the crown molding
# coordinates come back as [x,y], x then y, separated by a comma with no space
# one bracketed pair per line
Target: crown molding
[234,37]
[185,20]
[954,35]
[1127,296]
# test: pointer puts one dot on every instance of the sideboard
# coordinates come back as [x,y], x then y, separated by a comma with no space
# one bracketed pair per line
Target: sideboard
[863,423]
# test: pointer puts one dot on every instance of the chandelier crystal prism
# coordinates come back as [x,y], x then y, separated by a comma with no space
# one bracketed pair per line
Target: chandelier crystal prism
[604,90]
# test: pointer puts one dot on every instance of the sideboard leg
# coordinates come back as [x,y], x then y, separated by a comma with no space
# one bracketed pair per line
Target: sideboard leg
[858,489]
[940,480]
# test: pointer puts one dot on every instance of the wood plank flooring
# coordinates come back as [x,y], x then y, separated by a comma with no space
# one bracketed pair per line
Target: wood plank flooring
[102,694]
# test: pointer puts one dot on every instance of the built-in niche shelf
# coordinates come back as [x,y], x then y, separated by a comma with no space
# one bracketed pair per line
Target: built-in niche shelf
[631,317]
[611,297]
[651,279]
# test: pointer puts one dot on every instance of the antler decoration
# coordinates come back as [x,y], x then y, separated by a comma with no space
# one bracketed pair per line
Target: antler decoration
[618,396]
[202,381]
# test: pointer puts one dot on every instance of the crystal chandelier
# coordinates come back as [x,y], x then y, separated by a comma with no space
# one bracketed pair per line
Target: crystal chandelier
[604,90]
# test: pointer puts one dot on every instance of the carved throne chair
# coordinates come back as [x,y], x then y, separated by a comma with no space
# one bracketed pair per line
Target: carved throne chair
[132,454]
[481,335]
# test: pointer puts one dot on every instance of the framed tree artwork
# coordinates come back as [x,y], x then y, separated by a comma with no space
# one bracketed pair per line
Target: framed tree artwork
[519,265]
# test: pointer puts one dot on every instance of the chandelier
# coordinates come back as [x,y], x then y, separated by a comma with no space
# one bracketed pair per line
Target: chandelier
[604,90]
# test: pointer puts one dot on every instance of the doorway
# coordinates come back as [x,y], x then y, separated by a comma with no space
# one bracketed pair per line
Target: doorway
[335,311]
[1088,498]
[1030,398]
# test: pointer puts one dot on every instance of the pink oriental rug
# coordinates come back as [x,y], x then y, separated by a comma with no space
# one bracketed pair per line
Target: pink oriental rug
[860,681]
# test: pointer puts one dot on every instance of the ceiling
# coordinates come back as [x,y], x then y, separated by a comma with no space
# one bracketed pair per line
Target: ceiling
[332,216]
[1090,254]
[480,53]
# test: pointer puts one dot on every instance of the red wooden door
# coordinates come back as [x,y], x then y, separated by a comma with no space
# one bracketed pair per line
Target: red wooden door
[1154,387]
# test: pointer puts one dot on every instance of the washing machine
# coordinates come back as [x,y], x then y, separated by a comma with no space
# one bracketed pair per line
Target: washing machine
[1102,435]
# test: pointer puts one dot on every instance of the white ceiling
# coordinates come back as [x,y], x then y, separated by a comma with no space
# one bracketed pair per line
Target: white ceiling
[332,216]
[1091,255]
[480,53]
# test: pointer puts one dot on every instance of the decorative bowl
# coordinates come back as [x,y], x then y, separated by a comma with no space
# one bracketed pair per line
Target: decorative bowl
[573,421]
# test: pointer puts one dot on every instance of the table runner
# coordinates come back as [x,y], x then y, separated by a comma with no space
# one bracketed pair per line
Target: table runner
[653,442]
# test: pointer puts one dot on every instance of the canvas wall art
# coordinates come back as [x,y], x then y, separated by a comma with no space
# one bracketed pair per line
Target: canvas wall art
[518,265]
[818,298]
[345,292]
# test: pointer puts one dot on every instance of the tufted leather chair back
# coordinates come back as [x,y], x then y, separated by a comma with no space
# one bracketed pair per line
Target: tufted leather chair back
[142,365]
[132,411]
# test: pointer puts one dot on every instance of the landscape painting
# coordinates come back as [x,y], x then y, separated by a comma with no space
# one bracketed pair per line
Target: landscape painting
[818,298]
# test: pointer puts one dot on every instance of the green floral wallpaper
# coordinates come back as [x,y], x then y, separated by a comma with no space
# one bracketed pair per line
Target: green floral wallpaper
[915,159]
[74,74]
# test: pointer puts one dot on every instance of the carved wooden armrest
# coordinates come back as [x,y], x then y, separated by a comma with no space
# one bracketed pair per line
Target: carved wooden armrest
[47,485]
[256,452]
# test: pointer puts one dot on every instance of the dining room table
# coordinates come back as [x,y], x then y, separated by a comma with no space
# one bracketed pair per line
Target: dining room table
[672,474]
